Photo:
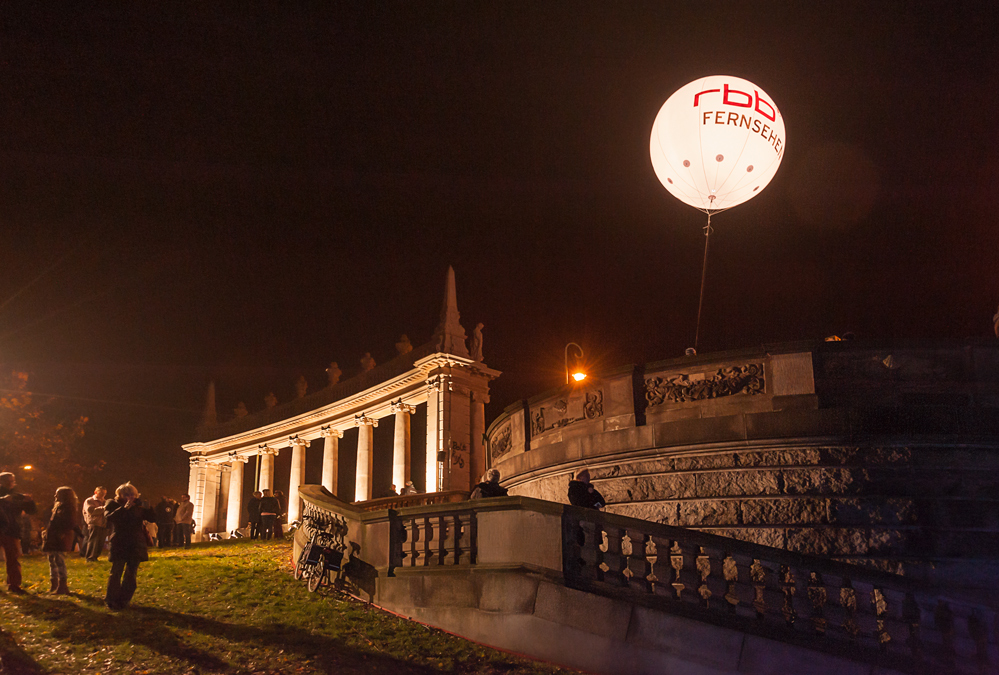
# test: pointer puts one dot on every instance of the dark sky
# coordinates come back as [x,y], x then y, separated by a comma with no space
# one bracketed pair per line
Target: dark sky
[200,190]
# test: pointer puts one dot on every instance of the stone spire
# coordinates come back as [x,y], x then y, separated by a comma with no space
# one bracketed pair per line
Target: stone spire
[450,336]
[210,417]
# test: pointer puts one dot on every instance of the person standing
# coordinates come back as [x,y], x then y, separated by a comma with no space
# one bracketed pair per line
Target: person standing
[253,508]
[184,521]
[97,523]
[60,537]
[269,508]
[127,546]
[12,505]
[581,493]
[166,510]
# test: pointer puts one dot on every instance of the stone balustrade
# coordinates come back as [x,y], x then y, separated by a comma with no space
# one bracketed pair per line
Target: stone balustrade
[812,605]
[829,605]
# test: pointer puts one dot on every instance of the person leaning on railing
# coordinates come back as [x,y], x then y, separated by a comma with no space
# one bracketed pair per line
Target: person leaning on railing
[489,487]
[581,493]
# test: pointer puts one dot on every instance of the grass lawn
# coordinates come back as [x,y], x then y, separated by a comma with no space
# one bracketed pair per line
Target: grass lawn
[221,608]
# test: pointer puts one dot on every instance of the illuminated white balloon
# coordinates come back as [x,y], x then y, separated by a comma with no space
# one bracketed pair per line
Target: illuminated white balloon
[717,142]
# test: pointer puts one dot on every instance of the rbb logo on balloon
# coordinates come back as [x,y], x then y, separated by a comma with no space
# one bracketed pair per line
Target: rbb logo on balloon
[717,142]
[731,97]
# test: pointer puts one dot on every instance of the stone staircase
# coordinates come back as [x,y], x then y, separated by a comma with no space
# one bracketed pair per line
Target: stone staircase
[610,594]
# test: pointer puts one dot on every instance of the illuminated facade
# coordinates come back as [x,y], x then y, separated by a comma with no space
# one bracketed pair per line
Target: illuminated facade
[442,376]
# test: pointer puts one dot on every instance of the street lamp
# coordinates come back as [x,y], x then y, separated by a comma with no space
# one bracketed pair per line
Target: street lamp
[578,375]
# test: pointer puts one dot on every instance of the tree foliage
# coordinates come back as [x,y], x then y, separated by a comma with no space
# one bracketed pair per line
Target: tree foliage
[33,433]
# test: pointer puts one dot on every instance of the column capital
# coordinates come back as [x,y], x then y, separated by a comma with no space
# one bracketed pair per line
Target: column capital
[267,450]
[330,432]
[400,407]
[235,457]
[439,382]
[295,441]
[198,461]
[364,420]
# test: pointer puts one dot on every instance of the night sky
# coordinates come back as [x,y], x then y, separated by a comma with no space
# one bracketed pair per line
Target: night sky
[196,191]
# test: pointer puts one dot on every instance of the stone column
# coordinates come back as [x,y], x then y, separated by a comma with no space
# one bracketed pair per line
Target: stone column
[235,508]
[331,457]
[365,456]
[222,510]
[298,446]
[267,467]
[477,450]
[210,496]
[435,428]
[196,488]
[401,444]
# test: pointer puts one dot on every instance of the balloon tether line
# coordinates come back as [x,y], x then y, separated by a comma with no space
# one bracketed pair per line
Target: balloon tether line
[704,271]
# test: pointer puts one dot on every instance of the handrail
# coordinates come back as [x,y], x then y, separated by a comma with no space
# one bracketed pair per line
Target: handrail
[824,604]
[850,610]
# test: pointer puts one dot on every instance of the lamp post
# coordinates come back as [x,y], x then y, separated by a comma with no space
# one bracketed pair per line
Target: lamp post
[579,375]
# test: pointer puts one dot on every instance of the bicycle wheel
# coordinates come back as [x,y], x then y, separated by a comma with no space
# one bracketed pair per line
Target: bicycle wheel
[318,572]
[299,570]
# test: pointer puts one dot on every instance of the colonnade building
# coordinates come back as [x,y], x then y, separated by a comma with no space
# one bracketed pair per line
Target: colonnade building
[442,379]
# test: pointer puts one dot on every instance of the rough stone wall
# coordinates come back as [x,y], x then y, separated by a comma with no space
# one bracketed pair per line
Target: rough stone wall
[893,507]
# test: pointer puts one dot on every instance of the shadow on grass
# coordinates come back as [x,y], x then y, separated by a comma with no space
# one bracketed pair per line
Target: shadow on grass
[14,660]
[155,628]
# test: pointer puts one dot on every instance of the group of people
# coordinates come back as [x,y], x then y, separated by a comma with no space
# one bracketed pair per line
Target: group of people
[174,523]
[267,511]
[581,491]
[132,525]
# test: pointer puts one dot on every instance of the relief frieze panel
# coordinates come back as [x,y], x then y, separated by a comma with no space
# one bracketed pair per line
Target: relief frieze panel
[502,442]
[733,381]
[564,412]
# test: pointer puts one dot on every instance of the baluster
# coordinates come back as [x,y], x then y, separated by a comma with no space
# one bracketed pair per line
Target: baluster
[676,561]
[818,597]
[880,604]
[412,539]
[789,588]
[472,540]
[626,550]
[448,539]
[731,573]
[758,573]
[460,526]
[911,616]
[848,600]
[589,553]
[602,549]
[651,557]
[703,563]
[428,541]
[943,619]
[615,560]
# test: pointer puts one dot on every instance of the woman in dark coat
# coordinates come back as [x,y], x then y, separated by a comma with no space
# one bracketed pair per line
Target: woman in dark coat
[60,535]
[127,545]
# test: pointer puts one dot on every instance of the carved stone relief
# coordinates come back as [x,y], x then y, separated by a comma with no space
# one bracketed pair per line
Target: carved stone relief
[747,379]
[502,443]
[566,412]
[594,406]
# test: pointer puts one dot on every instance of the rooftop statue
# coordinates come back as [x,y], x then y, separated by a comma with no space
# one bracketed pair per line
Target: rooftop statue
[270,400]
[475,347]
[301,386]
[240,410]
[404,346]
[367,363]
[333,373]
